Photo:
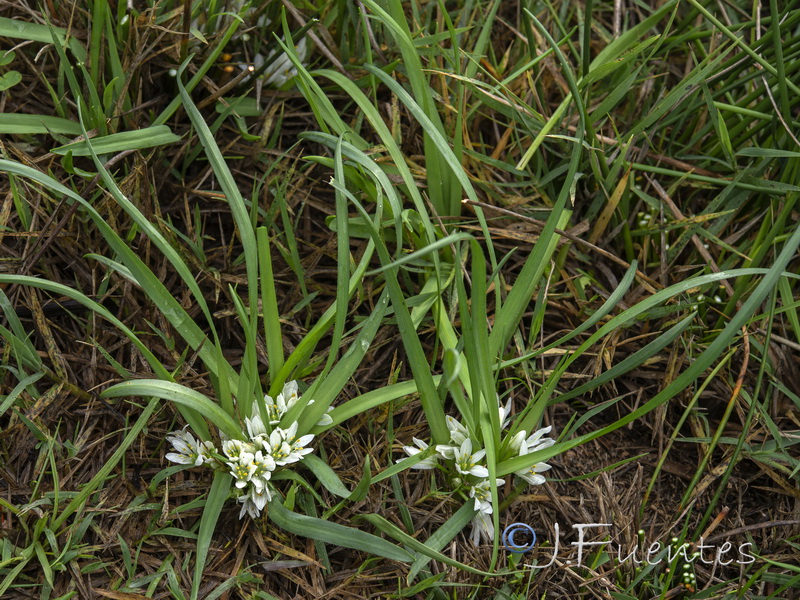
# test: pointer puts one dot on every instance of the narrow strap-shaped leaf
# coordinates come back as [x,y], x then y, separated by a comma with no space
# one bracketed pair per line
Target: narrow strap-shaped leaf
[402,537]
[148,137]
[712,353]
[99,477]
[442,536]
[220,489]
[175,392]
[333,533]
[326,476]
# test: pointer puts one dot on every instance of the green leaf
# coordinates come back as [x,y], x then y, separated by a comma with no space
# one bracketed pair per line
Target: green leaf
[175,392]
[419,547]
[443,535]
[767,153]
[22,30]
[9,80]
[326,476]
[220,489]
[333,533]
[37,124]
[149,137]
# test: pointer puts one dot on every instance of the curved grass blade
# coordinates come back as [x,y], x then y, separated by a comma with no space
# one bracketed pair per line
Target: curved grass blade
[325,390]
[175,392]
[419,547]
[441,537]
[220,489]
[101,475]
[326,476]
[333,533]
[712,353]
[149,137]
[37,125]
[101,310]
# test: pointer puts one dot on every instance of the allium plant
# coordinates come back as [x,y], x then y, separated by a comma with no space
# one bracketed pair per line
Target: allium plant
[466,469]
[251,462]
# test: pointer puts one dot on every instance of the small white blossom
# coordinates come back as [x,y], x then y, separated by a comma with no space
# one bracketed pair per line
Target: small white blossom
[278,446]
[243,468]
[467,462]
[458,433]
[482,494]
[233,449]
[531,444]
[285,401]
[254,502]
[505,413]
[531,474]
[297,446]
[446,451]
[427,463]
[264,465]
[255,426]
[537,442]
[190,451]
[482,528]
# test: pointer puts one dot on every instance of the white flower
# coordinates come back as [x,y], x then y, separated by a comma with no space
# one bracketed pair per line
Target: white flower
[254,502]
[285,401]
[278,446]
[482,527]
[264,464]
[467,463]
[189,450]
[243,468]
[482,494]
[298,447]
[520,445]
[518,441]
[426,463]
[446,451]
[531,474]
[286,447]
[531,444]
[288,396]
[458,433]
[233,449]
[505,413]
[255,426]
[537,442]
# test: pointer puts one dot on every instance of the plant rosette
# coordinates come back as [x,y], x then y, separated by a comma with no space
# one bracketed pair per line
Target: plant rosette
[251,462]
[467,471]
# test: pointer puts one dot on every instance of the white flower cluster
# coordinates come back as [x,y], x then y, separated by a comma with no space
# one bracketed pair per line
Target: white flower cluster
[458,453]
[251,462]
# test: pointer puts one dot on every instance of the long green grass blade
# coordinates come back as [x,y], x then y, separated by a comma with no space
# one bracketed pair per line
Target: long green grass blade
[333,533]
